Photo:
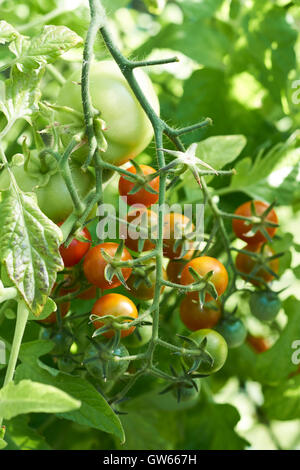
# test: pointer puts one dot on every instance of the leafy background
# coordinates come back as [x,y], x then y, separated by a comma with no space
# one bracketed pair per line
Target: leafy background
[238,66]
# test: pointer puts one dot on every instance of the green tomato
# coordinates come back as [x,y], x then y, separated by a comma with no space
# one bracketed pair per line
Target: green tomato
[188,393]
[265,305]
[140,336]
[65,364]
[216,346]
[51,191]
[128,129]
[233,330]
[101,364]
[63,340]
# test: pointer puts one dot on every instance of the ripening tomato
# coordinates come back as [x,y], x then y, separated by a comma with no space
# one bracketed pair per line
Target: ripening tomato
[144,221]
[241,227]
[116,305]
[202,266]
[94,265]
[74,253]
[258,343]
[246,264]
[128,129]
[177,226]
[142,196]
[216,346]
[175,267]
[194,317]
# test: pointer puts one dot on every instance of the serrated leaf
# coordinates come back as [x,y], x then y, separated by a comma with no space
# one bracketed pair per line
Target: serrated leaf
[7,32]
[20,95]
[44,48]
[94,410]
[29,244]
[33,397]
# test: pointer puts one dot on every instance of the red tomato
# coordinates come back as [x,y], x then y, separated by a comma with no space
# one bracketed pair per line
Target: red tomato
[116,305]
[258,343]
[72,254]
[246,264]
[150,223]
[202,266]
[241,227]
[195,318]
[176,226]
[94,265]
[142,196]
[175,267]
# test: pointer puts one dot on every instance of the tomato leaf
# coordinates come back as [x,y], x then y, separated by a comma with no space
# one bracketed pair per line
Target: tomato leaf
[287,392]
[7,32]
[33,397]
[29,244]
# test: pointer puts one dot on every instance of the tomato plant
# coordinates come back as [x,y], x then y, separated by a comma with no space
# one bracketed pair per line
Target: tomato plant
[116,305]
[141,196]
[80,129]
[94,265]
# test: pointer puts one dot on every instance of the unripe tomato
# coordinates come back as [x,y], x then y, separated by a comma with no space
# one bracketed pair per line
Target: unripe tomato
[176,226]
[103,365]
[52,194]
[246,264]
[116,305]
[265,305]
[140,336]
[94,265]
[241,227]
[202,266]
[143,291]
[66,364]
[216,346]
[258,343]
[145,220]
[128,129]
[194,317]
[63,340]
[188,393]
[72,254]
[233,330]
[142,196]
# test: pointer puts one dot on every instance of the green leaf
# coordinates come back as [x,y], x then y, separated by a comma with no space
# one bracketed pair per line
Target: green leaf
[33,397]
[20,95]
[44,48]
[7,32]
[32,350]
[21,436]
[29,244]
[94,411]
[220,150]
[283,401]
[49,308]
[3,444]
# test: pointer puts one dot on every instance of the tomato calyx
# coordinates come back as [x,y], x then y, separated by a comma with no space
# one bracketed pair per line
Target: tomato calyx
[203,285]
[197,353]
[141,180]
[186,386]
[115,264]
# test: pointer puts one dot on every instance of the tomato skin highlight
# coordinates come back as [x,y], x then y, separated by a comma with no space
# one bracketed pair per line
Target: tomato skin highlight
[241,228]
[128,129]
[175,227]
[216,346]
[265,305]
[245,263]
[136,218]
[94,265]
[233,330]
[116,305]
[196,318]
[202,266]
[142,196]
[74,253]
